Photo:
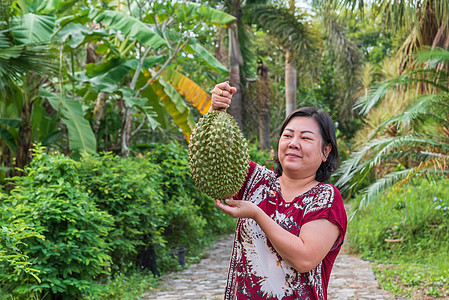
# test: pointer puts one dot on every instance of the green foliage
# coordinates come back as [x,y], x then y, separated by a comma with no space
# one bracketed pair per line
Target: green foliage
[408,227]
[50,200]
[262,158]
[129,190]
[415,139]
[123,286]
[13,262]
[187,210]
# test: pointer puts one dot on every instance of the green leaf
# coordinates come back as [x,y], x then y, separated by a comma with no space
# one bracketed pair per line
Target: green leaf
[194,47]
[161,114]
[175,106]
[51,6]
[32,28]
[211,15]
[11,122]
[129,26]
[6,136]
[81,136]
[199,98]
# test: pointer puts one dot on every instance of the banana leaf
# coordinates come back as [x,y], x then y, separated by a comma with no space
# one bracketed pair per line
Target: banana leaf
[7,137]
[189,89]
[175,105]
[211,15]
[194,47]
[81,136]
[129,26]
[55,6]
[11,122]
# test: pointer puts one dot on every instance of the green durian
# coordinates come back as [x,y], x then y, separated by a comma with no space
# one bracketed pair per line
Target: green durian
[218,155]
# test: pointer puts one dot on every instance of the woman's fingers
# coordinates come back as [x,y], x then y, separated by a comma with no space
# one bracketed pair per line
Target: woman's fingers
[221,95]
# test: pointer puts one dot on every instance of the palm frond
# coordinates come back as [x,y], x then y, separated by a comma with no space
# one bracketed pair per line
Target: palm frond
[292,30]
[382,151]
[426,107]
[374,96]
[432,57]
[17,60]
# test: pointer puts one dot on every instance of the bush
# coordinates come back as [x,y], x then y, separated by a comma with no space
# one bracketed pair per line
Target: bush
[49,199]
[15,265]
[187,210]
[262,158]
[129,189]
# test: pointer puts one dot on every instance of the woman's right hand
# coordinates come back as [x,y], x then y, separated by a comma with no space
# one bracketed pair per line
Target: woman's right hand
[221,96]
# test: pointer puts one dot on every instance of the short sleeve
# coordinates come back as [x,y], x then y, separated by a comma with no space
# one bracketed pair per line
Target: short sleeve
[327,204]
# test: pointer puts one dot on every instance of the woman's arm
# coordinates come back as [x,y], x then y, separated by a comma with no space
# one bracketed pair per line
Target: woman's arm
[305,252]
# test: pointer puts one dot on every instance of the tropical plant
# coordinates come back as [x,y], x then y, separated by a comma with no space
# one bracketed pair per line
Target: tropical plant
[299,40]
[73,253]
[424,23]
[25,63]
[112,55]
[412,143]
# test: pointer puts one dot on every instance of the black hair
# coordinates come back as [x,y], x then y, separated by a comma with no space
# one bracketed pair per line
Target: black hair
[327,131]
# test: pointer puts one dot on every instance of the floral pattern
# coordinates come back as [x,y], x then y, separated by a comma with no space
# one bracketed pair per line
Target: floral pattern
[256,270]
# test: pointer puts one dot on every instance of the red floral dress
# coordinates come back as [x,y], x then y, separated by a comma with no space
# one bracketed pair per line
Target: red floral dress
[256,270]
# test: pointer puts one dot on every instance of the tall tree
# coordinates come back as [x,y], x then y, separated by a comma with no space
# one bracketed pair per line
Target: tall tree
[290,74]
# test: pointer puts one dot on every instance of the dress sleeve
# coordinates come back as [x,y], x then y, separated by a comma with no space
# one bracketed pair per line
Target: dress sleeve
[252,166]
[328,204]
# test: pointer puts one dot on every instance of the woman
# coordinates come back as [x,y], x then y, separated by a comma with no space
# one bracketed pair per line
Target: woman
[291,224]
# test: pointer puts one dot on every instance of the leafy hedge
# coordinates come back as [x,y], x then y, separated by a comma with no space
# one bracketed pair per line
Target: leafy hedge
[51,200]
[103,215]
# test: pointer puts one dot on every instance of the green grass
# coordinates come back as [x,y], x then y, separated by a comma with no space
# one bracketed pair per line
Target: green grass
[405,233]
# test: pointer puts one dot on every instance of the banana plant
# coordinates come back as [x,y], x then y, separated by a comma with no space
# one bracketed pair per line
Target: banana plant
[139,47]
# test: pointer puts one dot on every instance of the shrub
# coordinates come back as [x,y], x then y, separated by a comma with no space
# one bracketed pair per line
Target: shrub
[263,158]
[187,209]
[15,265]
[182,200]
[50,200]
[129,189]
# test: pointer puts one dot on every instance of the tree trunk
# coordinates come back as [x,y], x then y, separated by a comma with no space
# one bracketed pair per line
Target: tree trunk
[126,130]
[100,105]
[235,61]
[263,106]
[290,75]
[264,129]
[290,83]
[25,140]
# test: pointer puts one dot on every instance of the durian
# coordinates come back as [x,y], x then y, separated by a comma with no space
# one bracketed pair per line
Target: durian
[218,155]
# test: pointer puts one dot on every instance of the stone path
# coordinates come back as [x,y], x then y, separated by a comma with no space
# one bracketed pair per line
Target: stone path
[351,278]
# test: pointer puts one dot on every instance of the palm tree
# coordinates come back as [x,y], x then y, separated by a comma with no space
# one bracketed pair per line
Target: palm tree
[412,143]
[300,43]
[285,25]
[24,65]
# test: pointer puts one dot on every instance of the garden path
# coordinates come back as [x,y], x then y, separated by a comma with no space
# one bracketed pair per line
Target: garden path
[351,278]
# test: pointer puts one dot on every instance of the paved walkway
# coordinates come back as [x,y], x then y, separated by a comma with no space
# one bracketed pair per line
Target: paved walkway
[351,278]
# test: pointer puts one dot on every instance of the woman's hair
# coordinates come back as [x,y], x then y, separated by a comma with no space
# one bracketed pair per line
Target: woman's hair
[327,132]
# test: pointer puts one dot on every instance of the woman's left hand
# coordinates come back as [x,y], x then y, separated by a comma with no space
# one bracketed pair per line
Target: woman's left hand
[238,208]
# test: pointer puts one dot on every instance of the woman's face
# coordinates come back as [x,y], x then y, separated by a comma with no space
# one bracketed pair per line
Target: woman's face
[300,147]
